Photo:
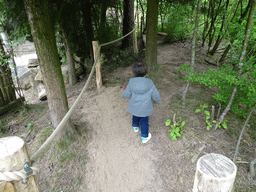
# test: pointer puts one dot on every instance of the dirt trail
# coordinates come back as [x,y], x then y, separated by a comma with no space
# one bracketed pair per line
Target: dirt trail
[118,159]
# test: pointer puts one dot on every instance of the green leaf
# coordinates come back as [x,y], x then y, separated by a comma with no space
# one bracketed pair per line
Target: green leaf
[224,125]
[214,121]
[168,122]
[172,126]
[207,117]
[197,110]
[218,125]
[207,113]
[205,106]
[208,127]
[183,123]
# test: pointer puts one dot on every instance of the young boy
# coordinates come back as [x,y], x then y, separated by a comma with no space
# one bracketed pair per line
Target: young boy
[141,91]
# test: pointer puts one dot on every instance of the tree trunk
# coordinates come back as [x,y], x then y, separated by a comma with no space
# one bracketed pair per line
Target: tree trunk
[102,28]
[2,101]
[243,15]
[220,37]
[241,60]
[45,44]
[87,20]
[128,24]
[70,61]
[6,82]
[151,34]
[193,46]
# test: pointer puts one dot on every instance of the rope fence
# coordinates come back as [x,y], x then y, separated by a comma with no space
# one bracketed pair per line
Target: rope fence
[19,175]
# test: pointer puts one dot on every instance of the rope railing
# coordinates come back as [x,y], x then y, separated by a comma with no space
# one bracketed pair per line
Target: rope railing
[18,175]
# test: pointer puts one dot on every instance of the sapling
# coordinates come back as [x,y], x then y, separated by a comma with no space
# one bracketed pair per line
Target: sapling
[208,118]
[176,130]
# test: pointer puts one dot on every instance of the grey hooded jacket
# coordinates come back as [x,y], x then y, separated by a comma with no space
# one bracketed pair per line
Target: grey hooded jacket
[141,91]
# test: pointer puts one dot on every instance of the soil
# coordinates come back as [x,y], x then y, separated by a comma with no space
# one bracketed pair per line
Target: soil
[110,156]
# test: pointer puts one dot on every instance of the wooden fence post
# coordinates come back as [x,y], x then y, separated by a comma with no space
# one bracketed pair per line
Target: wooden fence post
[135,44]
[214,172]
[12,158]
[96,54]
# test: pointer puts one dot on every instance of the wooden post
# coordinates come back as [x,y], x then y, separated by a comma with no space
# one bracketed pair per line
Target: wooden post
[12,158]
[135,45]
[214,172]
[96,54]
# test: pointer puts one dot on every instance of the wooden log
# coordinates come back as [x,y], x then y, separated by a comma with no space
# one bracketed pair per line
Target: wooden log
[12,158]
[96,53]
[214,172]
[11,105]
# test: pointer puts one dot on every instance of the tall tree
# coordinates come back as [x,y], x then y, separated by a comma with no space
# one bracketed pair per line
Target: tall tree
[151,31]
[128,23]
[45,44]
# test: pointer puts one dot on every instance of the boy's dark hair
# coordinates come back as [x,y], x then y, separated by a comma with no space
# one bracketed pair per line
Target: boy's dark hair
[139,69]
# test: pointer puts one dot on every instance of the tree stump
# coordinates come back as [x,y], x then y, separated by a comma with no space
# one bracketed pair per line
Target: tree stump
[214,173]
[12,158]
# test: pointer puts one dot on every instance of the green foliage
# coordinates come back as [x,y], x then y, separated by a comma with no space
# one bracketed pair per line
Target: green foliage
[178,26]
[226,79]
[119,58]
[3,126]
[14,19]
[208,122]
[176,130]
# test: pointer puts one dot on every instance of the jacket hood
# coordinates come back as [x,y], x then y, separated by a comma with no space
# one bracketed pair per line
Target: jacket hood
[140,85]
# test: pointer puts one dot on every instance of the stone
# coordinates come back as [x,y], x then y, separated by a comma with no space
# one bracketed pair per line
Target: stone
[33,63]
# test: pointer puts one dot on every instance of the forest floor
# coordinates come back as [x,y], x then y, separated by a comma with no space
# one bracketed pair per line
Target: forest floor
[109,156]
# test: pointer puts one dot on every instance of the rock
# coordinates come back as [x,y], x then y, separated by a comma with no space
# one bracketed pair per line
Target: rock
[39,76]
[65,70]
[25,81]
[41,92]
[33,63]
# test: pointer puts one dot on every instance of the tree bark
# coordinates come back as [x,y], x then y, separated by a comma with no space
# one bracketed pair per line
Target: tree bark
[128,24]
[70,61]
[151,34]
[45,44]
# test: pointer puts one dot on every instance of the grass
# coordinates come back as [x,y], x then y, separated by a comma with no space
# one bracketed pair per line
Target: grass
[44,134]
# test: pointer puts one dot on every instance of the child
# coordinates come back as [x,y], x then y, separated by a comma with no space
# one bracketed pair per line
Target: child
[140,91]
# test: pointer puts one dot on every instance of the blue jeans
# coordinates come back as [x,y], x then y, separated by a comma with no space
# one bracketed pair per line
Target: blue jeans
[143,124]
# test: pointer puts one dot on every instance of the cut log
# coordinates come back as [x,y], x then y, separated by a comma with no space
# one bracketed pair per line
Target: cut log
[11,105]
[214,172]
[12,158]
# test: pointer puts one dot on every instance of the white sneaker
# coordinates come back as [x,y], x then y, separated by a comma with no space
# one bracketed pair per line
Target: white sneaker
[146,139]
[136,129]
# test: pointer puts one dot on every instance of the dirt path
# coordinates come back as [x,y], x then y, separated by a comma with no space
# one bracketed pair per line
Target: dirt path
[118,160]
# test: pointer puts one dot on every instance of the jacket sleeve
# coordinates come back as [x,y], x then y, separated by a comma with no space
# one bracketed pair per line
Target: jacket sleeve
[156,96]
[127,92]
